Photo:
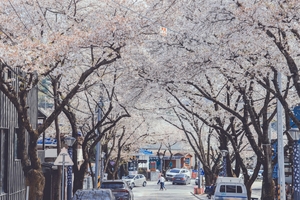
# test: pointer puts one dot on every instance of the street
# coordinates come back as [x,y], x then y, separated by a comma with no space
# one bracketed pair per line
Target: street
[174,192]
[177,192]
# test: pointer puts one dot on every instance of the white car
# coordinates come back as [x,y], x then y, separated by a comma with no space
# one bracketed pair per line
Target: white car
[260,174]
[135,180]
[172,172]
[250,172]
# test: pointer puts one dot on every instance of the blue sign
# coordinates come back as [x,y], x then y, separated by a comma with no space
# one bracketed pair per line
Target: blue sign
[202,172]
[275,172]
[47,141]
[146,152]
[296,112]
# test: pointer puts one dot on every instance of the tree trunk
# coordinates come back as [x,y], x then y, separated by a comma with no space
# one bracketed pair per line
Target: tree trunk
[78,179]
[31,165]
[36,182]
[34,176]
[267,192]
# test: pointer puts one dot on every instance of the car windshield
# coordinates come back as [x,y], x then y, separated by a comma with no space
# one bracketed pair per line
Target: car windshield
[174,170]
[112,185]
[129,176]
[91,194]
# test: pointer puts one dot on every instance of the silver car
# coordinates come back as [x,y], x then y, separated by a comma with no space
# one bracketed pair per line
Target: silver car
[119,188]
[136,180]
[172,172]
[99,194]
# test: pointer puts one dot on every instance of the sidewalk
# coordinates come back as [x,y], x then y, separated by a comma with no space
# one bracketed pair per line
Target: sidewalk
[200,196]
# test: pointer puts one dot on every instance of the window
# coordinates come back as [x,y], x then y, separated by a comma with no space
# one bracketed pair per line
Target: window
[112,185]
[222,188]
[3,160]
[239,189]
[16,144]
[231,188]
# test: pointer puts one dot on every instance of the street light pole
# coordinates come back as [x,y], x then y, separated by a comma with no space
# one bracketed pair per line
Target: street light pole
[69,141]
[224,154]
[295,135]
[281,172]
[98,146]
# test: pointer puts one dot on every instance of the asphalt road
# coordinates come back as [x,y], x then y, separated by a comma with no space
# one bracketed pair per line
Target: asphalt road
[174,192]
[177,192]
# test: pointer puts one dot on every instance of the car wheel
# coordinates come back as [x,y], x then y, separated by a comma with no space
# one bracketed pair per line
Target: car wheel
[173,183]
[132,185]
[144,184]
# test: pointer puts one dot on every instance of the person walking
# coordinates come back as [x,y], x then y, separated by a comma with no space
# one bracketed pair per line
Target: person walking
[161,181]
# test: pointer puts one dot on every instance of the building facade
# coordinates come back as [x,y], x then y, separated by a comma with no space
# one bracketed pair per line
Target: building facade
[12,180]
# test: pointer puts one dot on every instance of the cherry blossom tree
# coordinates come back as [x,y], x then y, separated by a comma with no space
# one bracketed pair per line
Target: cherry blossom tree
[52,38]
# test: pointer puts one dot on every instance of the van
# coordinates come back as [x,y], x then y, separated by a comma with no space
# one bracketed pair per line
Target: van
[230,188]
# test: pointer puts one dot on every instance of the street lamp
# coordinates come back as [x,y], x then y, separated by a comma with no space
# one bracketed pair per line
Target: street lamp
[161,157]
[224,154]
[69,141]
[295,135]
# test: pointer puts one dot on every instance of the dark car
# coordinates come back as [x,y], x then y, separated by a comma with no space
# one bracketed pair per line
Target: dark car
[99,194]
[181,179]
[119,188]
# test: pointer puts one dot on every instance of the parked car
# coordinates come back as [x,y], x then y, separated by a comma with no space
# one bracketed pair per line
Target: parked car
[260,174]
[136,180]
[119,188]
[229,188]
[171,173]
[99,194]
[181,179]
[250,172]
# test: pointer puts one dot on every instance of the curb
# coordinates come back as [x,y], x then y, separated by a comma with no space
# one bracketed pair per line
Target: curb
[198,196]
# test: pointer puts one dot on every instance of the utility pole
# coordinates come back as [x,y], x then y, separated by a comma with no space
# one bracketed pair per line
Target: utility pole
[199,175]
[281,174]
[98,146]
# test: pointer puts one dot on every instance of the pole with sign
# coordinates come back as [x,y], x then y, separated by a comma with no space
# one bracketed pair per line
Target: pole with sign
[63,159]
[199,174]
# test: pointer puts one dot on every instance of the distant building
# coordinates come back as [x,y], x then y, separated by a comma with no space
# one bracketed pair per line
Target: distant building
[181,158]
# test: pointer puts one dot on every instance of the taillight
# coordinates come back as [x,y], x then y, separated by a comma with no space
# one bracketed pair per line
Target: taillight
[122,190]
[182,179]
